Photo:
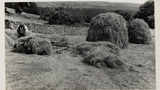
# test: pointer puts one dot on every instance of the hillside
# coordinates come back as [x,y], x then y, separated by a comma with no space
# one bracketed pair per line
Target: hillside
[101,5]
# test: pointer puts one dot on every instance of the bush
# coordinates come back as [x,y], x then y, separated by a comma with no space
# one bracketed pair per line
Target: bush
[102,54]
[139,32]
[109,27]
[60,17]
[33,45]
[29,7]
[18,10]
[67,16]
[146,12]
[127,14]
[92,12]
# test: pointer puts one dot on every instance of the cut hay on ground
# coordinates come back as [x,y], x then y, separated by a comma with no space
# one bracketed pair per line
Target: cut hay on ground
[33,45]
[12,33]
[139,32]
[55,39]
[109,27]
[102,54]
[9,42]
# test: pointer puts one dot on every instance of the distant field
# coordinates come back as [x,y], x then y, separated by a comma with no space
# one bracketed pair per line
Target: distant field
[98,5]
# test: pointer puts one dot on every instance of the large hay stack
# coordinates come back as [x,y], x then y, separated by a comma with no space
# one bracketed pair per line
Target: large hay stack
[139,32]
[109,27]
[102,54]
[33,45]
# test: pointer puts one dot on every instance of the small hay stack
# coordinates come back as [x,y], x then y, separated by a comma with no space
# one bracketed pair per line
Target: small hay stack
[9,42]
[102,54]
[139,32]
[33,45]
[109,27]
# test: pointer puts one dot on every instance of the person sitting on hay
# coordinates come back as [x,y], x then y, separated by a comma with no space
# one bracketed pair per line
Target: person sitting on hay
[22,30]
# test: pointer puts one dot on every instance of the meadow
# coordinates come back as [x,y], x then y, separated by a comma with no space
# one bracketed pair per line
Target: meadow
[64,70]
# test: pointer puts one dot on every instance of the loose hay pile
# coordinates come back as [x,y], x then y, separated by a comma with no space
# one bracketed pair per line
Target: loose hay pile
[102,54]
[55,39]
[33,45]
[12,33]
[139,32]
[109,27]
[9,42]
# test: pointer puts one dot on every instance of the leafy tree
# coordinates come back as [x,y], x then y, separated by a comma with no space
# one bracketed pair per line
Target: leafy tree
[146,12]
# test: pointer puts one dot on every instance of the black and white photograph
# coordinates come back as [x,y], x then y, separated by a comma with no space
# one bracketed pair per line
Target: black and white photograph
[80,45]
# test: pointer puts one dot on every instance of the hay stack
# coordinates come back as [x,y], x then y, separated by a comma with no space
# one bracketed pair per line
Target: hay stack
[139,32]
[33,45]
[9,42]
[109,27]
[102,54]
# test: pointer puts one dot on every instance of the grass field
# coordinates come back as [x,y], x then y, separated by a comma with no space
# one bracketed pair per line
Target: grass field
[62,70]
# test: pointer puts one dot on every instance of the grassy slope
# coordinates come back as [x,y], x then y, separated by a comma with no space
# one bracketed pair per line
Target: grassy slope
[20,19]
